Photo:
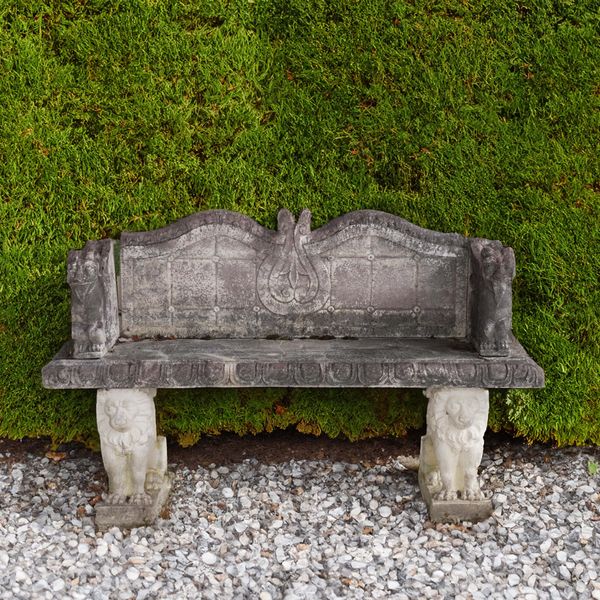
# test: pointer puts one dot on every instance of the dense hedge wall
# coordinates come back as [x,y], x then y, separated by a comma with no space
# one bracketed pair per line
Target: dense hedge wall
[479,118]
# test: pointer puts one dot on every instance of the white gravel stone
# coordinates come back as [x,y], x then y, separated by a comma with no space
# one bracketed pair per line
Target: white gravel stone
[58,585]
[20,575]
[586,531]
[209,558]
[564,572]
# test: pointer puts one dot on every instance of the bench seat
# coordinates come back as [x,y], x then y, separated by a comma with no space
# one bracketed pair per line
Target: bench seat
[367,362]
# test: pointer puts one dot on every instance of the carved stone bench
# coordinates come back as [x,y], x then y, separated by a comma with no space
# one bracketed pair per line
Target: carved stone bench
[216,300]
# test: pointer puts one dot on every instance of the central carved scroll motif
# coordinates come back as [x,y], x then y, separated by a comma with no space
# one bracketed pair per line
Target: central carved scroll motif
[290,281]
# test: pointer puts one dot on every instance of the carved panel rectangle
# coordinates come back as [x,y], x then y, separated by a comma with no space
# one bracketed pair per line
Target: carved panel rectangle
[350,283]
[145,284]
[394,283]
[236,284]
[145,292]
[437,283]
[192,284]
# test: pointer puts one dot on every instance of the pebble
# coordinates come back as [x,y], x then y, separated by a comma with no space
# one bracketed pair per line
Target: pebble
[208,558]
[20,575]
[305,529]
[586,531]
[513,579]
[58,585]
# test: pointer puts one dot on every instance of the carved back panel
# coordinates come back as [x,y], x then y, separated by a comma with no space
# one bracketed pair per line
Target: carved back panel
[365,274]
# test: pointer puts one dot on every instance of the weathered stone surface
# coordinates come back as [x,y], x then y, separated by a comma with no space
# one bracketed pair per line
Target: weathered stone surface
[94,303]
[365,274]
[134,457]
[370,362]
[493,272]
[451,453]
[127,515]
[454,511]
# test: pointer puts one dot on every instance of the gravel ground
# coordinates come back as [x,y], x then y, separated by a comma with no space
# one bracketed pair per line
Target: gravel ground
[304,529]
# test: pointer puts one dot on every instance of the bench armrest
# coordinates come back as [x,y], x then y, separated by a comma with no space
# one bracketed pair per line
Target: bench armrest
[492,272]
[94,303]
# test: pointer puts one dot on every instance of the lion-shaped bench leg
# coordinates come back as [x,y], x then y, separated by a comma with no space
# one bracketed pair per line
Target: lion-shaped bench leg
[134,457]
[451,453]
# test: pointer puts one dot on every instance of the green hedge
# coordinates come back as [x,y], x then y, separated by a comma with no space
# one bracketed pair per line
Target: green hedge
[479,118]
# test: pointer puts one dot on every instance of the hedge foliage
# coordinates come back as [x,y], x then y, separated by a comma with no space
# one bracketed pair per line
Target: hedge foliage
[480,118]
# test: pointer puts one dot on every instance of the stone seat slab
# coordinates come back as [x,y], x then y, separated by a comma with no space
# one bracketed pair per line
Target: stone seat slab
[363,362]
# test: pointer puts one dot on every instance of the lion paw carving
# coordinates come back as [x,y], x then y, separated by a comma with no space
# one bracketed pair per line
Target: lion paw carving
[453,447]
[134,457]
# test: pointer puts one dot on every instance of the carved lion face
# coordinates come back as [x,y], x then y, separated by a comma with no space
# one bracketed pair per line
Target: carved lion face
[119,417]
[453,412]
[126,416]
[459,411]
[83,273]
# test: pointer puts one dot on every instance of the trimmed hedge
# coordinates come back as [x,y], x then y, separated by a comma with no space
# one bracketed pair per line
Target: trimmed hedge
[480,119]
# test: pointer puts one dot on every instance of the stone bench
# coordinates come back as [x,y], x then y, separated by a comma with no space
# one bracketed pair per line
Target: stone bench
[216,300]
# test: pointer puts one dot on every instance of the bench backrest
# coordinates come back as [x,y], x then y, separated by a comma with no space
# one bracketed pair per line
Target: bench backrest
[365,274]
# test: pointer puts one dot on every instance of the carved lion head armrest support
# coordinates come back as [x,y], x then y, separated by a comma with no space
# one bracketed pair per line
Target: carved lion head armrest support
[94,304]
[493,269]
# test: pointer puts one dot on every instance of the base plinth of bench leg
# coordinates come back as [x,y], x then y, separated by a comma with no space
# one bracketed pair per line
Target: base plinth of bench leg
[451,453]
[134,457]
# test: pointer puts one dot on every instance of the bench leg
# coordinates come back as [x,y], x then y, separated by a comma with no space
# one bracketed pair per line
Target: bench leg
[451,452]
[134,457]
